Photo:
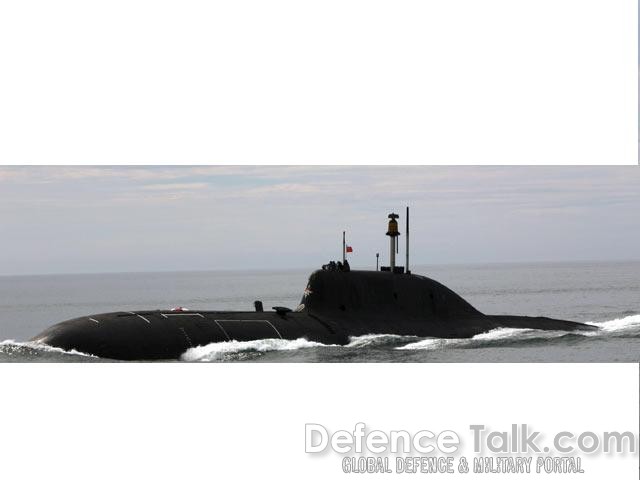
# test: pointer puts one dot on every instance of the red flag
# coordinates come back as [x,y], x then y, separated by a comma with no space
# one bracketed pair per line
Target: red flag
[349,249]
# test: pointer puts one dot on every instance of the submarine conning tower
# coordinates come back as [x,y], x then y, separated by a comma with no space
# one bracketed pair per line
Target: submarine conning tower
[382,294]
[342,291]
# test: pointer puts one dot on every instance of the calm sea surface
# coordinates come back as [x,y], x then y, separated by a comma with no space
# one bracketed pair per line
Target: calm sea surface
[607,294]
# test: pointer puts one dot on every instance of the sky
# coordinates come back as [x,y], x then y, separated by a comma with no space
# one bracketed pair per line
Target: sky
[129,219]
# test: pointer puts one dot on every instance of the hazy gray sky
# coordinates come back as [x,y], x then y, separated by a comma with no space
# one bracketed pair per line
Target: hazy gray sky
[104,219]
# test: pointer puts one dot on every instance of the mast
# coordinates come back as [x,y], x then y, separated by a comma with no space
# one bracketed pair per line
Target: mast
[344,248]
[407,247]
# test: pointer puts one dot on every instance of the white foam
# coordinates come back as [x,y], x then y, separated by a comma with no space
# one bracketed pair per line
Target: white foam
[631,322]
[502,334]
[431,344]
[220,350]
[618,325]
[42,347]
[375,339]
[482,339]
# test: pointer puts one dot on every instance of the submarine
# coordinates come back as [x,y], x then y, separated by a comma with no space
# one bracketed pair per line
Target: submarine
[337,303]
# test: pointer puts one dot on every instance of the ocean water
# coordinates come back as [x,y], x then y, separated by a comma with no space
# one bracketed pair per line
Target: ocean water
[604,294]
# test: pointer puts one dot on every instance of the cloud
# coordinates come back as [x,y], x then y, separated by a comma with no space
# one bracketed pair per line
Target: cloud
[172,187]
[245,217]
[459,187]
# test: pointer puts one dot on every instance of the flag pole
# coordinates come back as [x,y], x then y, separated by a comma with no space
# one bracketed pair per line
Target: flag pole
[344,248]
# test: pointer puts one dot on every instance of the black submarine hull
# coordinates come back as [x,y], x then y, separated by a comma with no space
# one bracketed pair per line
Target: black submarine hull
[162,335]
[336,306]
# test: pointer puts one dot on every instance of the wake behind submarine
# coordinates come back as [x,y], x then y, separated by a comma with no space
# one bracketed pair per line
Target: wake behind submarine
[337,303]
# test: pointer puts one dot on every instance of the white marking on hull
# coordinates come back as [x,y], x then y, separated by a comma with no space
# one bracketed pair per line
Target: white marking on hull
[252,321]
[222,328]
[271,325]
[138,315]
[187,337]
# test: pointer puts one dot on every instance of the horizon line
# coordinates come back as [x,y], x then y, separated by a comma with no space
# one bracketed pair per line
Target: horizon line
[308,268]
